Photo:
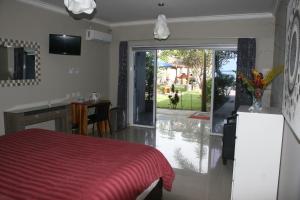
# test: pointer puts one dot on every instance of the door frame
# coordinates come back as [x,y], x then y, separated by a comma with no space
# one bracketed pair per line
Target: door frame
[212,44]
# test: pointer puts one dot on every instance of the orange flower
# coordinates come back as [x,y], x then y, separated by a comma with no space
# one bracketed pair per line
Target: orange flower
[259,81]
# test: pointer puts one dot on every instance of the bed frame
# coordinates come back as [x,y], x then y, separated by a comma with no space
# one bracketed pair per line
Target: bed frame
[156,192]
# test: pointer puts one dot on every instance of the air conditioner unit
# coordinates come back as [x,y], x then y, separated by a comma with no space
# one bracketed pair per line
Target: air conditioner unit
[97,35]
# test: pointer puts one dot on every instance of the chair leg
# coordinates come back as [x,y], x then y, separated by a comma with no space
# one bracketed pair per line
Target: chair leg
[99,129]
[103,127]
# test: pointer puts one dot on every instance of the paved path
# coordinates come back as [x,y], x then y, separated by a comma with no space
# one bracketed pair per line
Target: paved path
[222,113]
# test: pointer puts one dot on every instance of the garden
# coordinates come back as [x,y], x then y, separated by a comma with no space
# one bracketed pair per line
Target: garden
[184,79]
[188,99]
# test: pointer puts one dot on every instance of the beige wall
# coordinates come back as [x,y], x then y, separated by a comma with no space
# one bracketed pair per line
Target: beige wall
[24,22]
[198,32]
[289,180]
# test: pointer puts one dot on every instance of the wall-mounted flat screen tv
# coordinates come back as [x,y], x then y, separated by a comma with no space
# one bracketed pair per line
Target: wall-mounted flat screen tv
[64,44]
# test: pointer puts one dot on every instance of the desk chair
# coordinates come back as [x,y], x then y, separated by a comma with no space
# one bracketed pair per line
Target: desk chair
[101,114]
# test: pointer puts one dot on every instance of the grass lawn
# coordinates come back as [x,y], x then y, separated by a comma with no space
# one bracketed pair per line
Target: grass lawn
[187,101]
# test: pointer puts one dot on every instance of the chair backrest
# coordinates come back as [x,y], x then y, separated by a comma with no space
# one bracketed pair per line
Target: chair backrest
[102,111]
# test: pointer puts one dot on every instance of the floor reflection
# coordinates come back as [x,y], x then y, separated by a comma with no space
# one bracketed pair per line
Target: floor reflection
[137,135]
[192,152]
[184,142]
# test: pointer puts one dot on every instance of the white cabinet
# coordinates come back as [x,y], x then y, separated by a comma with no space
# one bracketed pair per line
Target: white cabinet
[257,155]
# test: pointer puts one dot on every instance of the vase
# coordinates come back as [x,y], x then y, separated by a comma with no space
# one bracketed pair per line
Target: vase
[94,97]
[256,101]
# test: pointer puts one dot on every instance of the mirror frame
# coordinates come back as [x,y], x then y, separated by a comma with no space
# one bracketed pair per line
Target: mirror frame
[27,44]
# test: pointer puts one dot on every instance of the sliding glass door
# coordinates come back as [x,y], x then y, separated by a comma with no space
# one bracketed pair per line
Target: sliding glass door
[224,88]
[144,87]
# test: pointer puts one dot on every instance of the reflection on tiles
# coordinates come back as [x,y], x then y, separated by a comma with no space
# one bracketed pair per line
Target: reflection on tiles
[223,112]
[194,155]
[137,134]
[184,142]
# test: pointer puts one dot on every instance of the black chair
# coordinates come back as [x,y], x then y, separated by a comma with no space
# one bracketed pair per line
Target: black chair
[229,131]
[101,114]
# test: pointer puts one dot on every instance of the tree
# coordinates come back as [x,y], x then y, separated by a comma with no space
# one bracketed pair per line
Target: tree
[194,59]
[149,75]
[222,82]
[204,96]
[222,57]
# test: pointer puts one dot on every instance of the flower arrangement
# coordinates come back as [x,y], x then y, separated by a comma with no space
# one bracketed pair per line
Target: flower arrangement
[259,82]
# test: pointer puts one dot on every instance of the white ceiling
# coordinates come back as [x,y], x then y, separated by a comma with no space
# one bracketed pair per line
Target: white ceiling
[117,11]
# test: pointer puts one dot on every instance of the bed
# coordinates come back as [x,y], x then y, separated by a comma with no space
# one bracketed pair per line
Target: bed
[43,164]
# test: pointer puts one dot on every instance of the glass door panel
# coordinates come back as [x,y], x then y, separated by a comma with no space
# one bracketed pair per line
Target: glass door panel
[224,88]
[144,87]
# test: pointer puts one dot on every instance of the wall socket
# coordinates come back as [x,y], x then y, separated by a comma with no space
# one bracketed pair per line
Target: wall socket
[73,70]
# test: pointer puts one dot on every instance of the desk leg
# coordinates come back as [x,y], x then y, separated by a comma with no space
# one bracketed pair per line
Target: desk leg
[62,122]
[67,122]
[83,124]
[59,124]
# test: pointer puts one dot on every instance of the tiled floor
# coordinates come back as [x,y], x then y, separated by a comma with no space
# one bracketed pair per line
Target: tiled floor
[192,152]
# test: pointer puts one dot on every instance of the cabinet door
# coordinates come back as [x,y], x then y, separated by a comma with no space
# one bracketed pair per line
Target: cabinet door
[257,156]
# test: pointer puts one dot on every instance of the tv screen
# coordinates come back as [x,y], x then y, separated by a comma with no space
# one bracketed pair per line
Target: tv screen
[64,44]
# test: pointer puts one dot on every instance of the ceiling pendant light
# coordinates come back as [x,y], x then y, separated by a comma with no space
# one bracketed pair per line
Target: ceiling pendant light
[161,30]
[80,6]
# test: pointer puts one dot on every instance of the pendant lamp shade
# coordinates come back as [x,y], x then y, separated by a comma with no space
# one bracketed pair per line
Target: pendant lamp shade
[80,6]
[161,30]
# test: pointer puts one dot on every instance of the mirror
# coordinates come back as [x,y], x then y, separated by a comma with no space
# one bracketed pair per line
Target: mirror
[19,63]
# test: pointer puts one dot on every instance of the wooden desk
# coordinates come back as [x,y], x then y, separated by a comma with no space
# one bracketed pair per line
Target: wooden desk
[80,114]
[17,120]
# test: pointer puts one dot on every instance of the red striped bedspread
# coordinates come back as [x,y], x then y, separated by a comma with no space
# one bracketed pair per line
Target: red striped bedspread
[42,164]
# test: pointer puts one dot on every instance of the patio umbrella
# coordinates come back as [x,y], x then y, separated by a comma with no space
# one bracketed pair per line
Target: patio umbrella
[183,76]
[161,63]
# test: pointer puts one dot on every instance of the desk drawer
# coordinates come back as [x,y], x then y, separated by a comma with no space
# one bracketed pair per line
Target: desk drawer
[17,120]
[42,117]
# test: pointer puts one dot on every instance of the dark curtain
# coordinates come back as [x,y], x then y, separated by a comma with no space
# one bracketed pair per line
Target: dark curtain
[18,63]
[30,67]
[245,63]
[122,85]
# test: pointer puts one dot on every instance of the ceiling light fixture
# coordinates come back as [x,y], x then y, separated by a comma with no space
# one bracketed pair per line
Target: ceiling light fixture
[80,6]
[161,30]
